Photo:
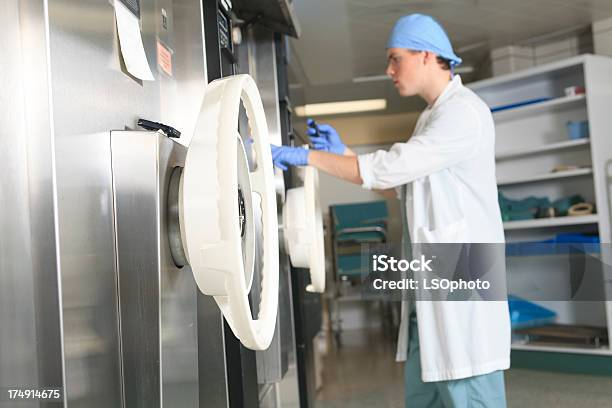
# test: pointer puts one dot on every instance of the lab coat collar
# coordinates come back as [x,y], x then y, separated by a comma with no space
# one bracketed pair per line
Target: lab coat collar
[450,89]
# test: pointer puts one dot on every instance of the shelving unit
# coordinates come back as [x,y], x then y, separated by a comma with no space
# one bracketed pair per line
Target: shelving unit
[552,105]
[532,150]
[547,176]
[559,349]
[530,141]
[551,222]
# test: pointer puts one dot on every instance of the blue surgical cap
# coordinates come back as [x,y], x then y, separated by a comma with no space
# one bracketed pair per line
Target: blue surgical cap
[419,32]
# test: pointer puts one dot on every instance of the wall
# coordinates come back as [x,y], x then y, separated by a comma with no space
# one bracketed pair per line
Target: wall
[602,37]
[513,58]
[369,129]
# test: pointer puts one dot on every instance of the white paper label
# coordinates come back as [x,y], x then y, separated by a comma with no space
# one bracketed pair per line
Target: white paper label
[130,41]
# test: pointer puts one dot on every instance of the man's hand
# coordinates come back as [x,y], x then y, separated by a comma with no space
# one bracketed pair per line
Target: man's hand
[343,167]
[325,138]
[284,156]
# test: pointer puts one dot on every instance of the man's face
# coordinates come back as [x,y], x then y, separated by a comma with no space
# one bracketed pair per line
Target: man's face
[406,69]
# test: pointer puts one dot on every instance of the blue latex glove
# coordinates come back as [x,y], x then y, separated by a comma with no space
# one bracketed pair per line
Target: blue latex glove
[325,137]
[284,156]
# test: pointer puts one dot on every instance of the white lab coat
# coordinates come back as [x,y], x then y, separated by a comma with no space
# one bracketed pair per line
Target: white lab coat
[448,166]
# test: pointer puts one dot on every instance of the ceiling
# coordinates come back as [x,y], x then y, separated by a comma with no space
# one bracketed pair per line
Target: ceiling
[344,39]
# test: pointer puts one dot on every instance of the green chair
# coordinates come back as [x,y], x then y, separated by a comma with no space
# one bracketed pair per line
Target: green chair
[353,225]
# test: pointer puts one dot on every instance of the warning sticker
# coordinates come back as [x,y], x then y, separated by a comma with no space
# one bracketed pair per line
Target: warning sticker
[164,58]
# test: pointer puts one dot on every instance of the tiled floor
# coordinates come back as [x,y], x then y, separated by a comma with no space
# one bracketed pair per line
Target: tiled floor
[363,373]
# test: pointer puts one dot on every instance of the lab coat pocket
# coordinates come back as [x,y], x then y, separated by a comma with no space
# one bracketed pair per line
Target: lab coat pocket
[453,232]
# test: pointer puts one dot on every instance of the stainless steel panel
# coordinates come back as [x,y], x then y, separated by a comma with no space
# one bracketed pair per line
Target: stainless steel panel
[189,61]
[213,386]
[64,89]
[91,94]
[30,339]
[269,396]
[89,302]
[137,223]
[158,300]
[261,57]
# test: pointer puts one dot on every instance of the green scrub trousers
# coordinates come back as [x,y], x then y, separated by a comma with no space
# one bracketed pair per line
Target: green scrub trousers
[474,392]
[482,391]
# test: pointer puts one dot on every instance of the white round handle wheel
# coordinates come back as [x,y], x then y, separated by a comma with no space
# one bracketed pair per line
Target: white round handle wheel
[216,212]
[303,229]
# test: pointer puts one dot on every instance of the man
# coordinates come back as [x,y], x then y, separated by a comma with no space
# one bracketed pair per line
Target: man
[445,176]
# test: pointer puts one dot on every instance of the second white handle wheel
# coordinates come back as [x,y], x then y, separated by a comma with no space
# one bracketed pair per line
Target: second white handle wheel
[303,229]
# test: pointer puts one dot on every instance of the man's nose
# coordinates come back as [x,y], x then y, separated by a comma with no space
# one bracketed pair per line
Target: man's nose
[390,71]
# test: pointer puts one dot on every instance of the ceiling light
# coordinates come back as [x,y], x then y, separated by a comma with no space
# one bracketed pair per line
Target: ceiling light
[335,108]
[371,78]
